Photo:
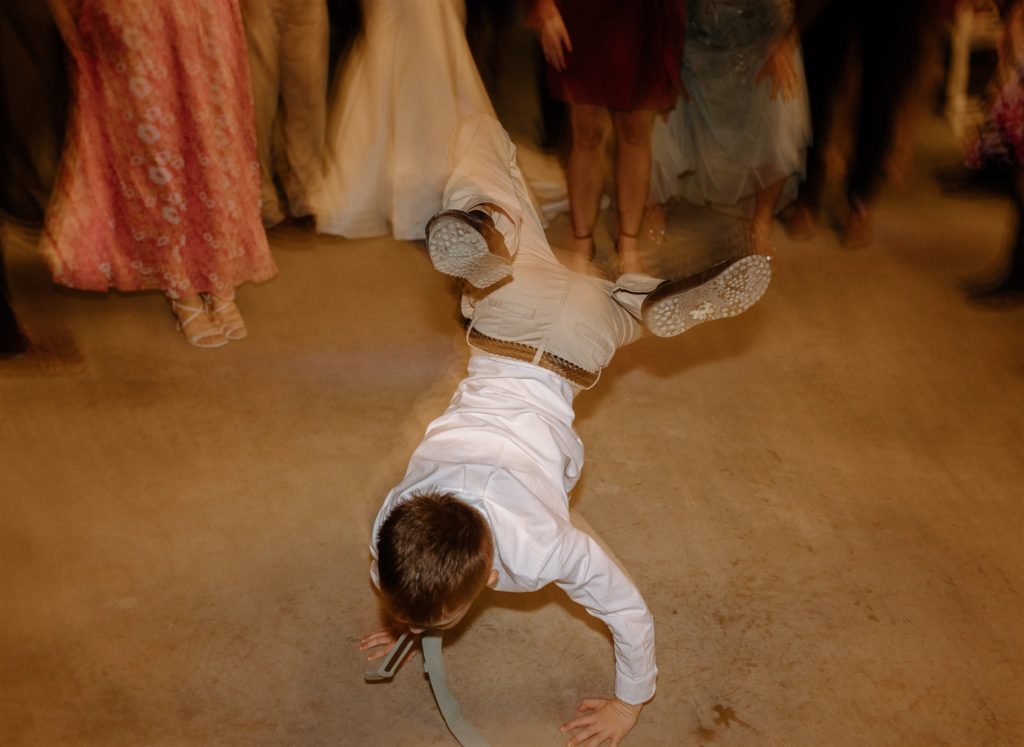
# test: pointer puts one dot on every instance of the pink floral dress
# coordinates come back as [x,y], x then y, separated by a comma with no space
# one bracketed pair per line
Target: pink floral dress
[159,181]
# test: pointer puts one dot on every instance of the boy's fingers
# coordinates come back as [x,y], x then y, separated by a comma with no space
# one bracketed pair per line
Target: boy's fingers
[583,736]
[578,722]
[589,704]
[376,639]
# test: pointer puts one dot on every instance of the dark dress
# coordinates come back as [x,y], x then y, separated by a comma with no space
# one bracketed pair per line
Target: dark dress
[625,54]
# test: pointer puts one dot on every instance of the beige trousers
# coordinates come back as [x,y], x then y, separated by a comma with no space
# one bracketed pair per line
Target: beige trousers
[288,49]
[545,307]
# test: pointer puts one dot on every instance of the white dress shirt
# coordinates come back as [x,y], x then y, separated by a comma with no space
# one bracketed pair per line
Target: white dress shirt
[506,446]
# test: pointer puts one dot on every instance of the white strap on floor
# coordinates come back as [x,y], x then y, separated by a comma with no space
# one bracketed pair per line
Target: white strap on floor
[433,665]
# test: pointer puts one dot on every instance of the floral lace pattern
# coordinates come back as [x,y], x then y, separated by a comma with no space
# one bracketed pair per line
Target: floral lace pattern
[159,181]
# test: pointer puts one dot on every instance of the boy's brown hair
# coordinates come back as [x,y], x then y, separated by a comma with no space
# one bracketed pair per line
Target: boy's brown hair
[433,556]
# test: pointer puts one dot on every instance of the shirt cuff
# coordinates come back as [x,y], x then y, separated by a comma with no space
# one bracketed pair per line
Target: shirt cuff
[635,692]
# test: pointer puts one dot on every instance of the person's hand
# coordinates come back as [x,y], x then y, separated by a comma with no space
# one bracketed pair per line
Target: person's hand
[779,67]
[554,37]
[379,642]
[603,719]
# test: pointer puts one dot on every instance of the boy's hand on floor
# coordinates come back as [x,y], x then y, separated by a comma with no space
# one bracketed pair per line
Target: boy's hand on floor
[604,719]
[379,642]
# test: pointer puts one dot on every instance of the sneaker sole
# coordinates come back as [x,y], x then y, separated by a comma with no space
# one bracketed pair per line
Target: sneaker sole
[723,291]
[458,250]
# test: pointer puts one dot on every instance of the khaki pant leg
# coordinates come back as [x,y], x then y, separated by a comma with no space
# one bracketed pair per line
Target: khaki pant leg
[303,58]
[263,39]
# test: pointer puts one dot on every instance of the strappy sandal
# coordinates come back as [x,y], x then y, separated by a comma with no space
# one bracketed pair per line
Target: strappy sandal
[227,313]
[210,337]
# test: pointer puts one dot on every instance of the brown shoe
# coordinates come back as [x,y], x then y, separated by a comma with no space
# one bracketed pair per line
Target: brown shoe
[467,245]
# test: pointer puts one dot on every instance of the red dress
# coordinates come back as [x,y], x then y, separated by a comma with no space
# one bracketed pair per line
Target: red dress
[626,54]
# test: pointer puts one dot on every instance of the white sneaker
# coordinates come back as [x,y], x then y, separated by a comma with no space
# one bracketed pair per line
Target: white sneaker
[468,246]
[723,290]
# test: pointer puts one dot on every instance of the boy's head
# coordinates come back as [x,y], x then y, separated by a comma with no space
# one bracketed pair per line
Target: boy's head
[434,556]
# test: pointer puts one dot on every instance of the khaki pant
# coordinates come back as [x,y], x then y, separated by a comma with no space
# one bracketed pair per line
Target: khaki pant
[288,48]
[545,308]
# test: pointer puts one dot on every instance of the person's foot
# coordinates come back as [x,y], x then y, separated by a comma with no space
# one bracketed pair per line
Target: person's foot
[195,321]
[800,224]
[724,290]
[304,223]
[627,248]
[857,229]
[467,245]
[226,312]
[583,247]
[273,215]
[1004,292]
[759,238]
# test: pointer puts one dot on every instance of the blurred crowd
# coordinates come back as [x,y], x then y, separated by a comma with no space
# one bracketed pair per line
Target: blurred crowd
[156,142]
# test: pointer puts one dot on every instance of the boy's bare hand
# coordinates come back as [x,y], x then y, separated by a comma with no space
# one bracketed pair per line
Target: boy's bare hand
[379,642]
[604,719]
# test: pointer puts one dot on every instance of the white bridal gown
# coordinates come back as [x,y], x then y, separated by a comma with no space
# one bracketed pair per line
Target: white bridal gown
[407,81]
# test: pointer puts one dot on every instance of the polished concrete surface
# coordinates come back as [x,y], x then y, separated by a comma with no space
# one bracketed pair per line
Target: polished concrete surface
[821,501]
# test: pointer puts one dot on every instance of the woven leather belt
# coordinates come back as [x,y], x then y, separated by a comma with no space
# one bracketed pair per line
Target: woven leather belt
[522,352]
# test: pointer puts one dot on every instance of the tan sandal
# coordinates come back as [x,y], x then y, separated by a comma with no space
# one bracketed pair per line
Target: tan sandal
[227,313]
[209,336]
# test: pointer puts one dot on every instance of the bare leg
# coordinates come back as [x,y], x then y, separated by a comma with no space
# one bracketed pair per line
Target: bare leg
[764,211]
[586,173]
[632,179]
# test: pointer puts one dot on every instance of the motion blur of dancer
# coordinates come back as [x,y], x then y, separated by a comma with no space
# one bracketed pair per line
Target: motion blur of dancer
[1000,144]
[737,139]
[617,64]
[889,37]
[159,184]
[406,83]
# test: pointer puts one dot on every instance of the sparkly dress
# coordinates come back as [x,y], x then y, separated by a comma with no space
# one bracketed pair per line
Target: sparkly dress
[731,139]
[159,183]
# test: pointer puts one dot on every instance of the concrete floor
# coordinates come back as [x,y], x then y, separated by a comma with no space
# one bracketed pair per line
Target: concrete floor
[821,501]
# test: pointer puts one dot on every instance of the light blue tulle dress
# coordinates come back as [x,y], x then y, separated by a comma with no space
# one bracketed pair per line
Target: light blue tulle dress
[731,139]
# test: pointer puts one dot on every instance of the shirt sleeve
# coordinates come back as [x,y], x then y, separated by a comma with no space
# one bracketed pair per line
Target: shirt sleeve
[591,578]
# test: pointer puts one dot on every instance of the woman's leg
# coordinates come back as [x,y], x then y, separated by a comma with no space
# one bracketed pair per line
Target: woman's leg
[632,179]
[764,212]
[586,172]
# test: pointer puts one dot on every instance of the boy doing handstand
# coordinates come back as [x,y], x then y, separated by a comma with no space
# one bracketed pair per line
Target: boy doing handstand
[484,501]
